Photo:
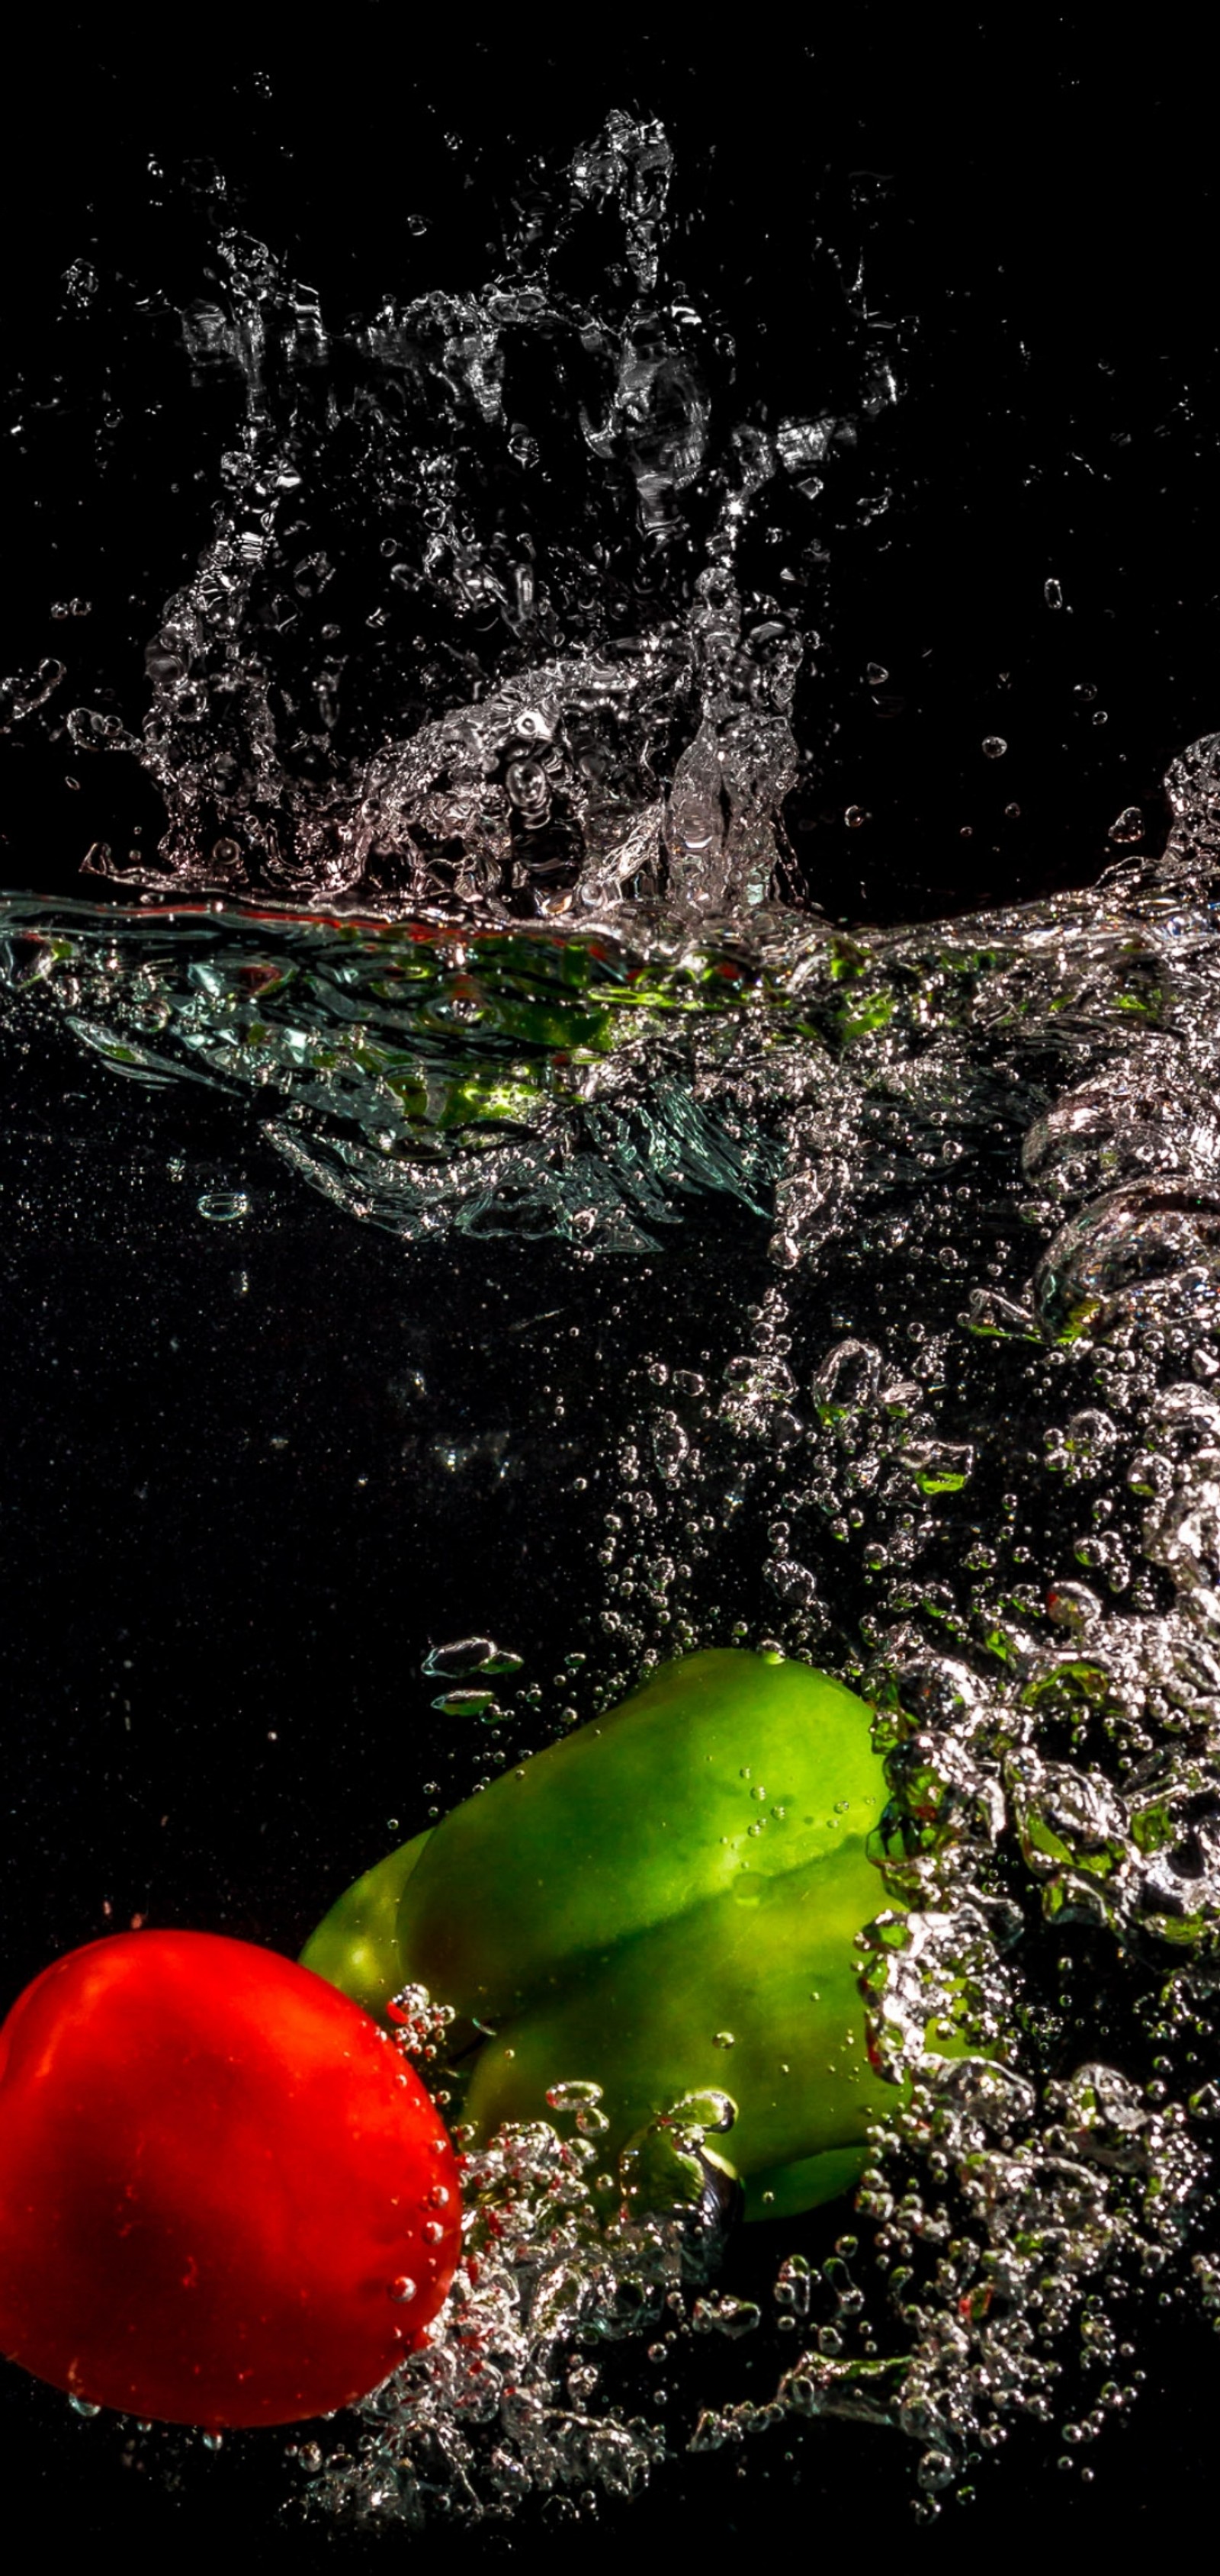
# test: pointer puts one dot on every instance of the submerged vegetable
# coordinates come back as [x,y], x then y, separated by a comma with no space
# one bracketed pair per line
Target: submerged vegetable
[661,1904]
[224,2199]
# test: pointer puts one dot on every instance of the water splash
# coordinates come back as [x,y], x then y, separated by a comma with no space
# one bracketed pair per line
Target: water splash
[506,603]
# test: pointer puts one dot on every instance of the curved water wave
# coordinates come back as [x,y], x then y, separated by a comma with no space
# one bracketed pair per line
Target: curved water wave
[516,1077]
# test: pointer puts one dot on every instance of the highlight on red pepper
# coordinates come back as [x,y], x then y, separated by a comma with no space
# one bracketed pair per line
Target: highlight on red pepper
[224,2197]
[664,1903]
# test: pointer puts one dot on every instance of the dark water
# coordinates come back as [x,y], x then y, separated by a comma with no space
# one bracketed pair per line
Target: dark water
[303,1375]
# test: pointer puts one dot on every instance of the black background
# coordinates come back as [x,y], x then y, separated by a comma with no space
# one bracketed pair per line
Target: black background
[1047,230]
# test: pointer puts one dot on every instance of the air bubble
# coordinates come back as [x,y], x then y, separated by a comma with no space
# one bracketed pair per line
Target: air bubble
[468,1703]
[469,1655]
[223,1207]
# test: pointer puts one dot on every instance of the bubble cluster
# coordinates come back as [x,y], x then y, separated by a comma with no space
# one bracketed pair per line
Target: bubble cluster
[962,1447]
[529,2383]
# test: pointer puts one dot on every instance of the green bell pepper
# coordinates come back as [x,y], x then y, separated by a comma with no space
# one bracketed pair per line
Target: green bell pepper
[662,1903]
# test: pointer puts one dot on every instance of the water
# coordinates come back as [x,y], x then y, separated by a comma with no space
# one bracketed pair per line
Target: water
[555,671]
[477,921]
[991,1504]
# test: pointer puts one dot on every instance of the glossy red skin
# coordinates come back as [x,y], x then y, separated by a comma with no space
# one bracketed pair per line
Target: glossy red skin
[212,2168]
